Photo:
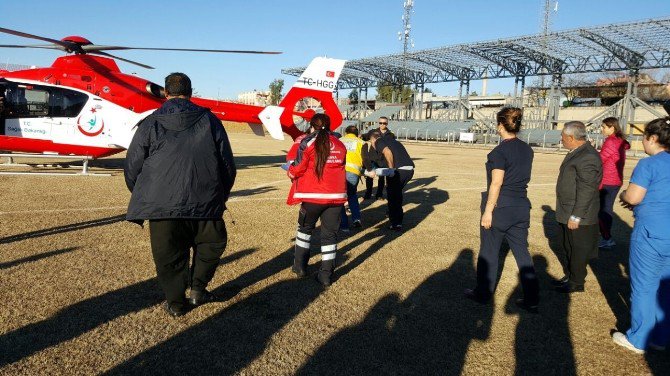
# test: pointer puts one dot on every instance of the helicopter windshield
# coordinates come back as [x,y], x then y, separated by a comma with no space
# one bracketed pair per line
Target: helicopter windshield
[25,101]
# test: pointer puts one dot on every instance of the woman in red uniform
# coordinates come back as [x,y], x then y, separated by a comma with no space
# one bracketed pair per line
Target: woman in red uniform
[318,177]
[613,156]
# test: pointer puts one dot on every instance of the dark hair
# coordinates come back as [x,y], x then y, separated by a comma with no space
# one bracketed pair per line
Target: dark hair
[321,125]
[178,84]
[352,129]
[614,122]
[660,128]
[385,118]
[374,134]
[510,118]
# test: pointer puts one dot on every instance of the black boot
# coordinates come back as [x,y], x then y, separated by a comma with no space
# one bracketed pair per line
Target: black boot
[300,261]
[326,272]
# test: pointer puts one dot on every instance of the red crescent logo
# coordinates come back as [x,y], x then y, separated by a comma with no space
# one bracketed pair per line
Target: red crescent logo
[91,134]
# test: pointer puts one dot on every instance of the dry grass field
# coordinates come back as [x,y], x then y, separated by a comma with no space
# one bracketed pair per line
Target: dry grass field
[79,295]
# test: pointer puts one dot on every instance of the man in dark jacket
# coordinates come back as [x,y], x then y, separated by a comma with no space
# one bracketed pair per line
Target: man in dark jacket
[398,160]
[577,206]
[372,159]
[180,170]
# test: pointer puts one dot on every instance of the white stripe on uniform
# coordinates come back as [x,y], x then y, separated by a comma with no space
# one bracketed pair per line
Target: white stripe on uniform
[303,236]
[328,256]
[320,195]
[328,248]
[301,243]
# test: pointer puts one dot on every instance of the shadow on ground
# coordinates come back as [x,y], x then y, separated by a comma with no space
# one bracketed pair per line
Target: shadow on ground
[611,270]
[427,333]
[63,229]
[81,317]
[11,264]
[237,335]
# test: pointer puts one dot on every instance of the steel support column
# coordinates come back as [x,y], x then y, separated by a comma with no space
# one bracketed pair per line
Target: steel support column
[627,116]
[553,104]
[466,103]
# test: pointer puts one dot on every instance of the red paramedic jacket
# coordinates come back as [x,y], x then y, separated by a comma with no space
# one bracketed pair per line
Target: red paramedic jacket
[306,187]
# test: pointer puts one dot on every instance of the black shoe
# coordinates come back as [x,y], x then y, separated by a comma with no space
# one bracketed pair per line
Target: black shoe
[323,280]
[567,288]
[172,311]
[299,273]
[201,297]
[396,228]
[559,282]
[357,224]
[521,303]
[472,295]
[367,197]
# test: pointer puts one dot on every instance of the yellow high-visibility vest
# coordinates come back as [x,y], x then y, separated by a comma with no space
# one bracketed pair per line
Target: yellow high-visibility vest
[354,157]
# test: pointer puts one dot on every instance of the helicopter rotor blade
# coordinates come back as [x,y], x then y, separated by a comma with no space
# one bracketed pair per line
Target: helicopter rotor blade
[45,46]
[91,48]
[63,45]
[122,59]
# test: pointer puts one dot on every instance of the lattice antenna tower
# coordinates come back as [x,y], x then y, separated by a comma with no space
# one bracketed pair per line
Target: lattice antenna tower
[404,35]
[550,6]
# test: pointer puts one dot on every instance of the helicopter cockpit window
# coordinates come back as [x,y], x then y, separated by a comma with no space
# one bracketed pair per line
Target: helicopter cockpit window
[25,101]
[155,90]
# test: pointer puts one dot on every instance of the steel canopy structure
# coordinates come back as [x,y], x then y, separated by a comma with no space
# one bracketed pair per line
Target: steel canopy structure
[630,47]
[614,47]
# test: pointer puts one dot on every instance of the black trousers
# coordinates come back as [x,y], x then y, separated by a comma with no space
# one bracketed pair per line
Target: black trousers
[171,243]
[510,224]
[394,189]
[577,248]
[380,187]
[310,213]
[606,214]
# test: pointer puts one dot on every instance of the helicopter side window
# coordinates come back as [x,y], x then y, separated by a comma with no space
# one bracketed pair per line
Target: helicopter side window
[66,103]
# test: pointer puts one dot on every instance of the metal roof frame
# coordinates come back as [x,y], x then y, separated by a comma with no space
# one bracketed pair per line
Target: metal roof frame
[615,47]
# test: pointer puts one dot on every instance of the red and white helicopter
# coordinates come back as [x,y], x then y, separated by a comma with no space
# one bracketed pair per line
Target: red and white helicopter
[84,105]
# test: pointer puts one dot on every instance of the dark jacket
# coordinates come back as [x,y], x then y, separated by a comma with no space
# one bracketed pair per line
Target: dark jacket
[372,158]
[577,186]
[179,165]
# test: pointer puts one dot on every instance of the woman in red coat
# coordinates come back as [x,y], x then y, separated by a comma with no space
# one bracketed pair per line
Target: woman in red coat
[318,178]
[613,157]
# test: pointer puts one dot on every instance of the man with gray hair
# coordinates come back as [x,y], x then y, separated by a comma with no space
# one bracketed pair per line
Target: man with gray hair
[577,205]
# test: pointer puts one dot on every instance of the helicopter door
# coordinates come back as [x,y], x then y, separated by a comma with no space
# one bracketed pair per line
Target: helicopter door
[24,112]
[64,108]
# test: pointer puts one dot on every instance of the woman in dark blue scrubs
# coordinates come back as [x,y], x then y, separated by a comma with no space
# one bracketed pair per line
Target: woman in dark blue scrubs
[648,195]
[506,213]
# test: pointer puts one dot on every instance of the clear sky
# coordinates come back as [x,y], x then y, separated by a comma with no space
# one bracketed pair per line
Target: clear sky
[303,29]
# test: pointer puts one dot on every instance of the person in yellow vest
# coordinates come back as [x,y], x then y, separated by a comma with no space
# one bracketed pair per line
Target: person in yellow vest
[354,168]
